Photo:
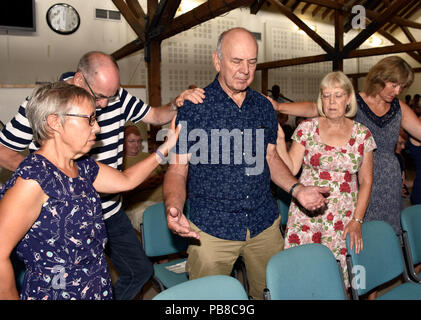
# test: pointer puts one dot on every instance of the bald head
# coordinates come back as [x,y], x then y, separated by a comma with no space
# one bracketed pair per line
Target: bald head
[98,73]
[235,60]
[234,32]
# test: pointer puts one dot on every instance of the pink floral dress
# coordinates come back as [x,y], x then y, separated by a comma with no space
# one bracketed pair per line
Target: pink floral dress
[336,167]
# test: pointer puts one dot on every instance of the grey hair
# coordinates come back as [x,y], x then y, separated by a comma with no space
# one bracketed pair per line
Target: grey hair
[221,39]
[52,98]
[89,64]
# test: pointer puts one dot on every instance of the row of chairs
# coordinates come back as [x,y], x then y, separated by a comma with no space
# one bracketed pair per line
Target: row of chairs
[311,271]
[158,242]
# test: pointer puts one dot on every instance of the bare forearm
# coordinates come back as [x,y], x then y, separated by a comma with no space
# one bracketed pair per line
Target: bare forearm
[279,172]
[362,200]
[174,189]
[281,149]
[9,159]
[160,115]
[305,109]
[8,289]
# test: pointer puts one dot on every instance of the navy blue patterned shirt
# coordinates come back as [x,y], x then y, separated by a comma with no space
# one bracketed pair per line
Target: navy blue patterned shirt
[229,178]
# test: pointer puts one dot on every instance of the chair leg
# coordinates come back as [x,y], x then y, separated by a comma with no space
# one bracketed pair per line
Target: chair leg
[239,264]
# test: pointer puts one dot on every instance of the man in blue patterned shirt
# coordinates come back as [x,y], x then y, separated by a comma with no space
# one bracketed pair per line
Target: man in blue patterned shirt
[226,158]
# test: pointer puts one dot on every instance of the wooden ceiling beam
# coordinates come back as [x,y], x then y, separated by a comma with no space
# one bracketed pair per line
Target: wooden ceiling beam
[403,10]
[325,13]
[137,10]
[293,62]
[397,48]
[303,26]
[373,26]
[200,14]
[128,49]
[169,11]
[294,5]
[131,18]
[326,57]
[408,14]
[256,6]
[305,8]
[338,63]
[316,11]
[325,3]
[395,41]
[409,35]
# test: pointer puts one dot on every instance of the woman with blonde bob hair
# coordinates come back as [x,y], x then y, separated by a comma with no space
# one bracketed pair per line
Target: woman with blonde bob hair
[335,151]
[338,79]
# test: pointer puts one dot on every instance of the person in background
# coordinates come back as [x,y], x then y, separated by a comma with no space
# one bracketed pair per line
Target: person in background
[408,99]
[232,211]
[400,146]
[337,152]
[98,73]
[415,104]
[50,208]
[414,147]
[148,192]
[278,97]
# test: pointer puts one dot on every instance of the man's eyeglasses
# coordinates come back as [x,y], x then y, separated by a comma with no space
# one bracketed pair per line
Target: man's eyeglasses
[97,97]
[91,118]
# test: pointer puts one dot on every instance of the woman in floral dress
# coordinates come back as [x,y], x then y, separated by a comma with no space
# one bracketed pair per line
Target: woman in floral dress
[335,151]
[50,208]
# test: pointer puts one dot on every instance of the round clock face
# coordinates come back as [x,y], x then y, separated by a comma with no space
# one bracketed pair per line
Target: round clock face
[63,18]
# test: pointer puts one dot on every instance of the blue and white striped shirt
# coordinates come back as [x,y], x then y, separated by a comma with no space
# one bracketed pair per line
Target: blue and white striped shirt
[108,149]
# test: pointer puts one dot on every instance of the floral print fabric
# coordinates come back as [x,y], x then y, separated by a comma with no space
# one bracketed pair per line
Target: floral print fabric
[63,251]
[336,167]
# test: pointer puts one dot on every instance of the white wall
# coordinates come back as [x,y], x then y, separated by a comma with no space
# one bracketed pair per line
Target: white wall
[186,57]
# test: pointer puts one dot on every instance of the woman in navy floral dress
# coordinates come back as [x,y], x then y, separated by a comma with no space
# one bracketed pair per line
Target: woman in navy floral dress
[50,208]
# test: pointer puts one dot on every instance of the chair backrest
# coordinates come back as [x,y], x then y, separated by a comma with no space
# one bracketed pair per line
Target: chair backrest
[283,209]
[411,223]
[306,272]
[381,258]
[157,239]
[218,287]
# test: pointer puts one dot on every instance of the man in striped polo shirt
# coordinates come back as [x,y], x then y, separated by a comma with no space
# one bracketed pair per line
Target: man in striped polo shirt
[98,73]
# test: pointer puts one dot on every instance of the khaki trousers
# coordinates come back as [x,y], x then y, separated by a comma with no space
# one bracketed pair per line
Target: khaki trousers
[211,256]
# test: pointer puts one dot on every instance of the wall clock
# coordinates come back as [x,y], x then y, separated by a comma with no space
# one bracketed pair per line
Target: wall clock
[63,18]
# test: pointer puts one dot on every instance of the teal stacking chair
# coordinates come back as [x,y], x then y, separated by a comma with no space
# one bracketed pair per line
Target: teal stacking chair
[306,272]
[283,207]
[218,287]
[411,236]
[380,261]
[159,241]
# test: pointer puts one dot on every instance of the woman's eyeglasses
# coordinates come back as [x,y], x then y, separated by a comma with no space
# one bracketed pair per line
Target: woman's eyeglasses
[91,118]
